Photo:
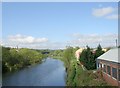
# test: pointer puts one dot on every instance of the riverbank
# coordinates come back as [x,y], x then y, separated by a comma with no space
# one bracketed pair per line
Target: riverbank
[14,59]
[79,77]
[51,72]
[76,76]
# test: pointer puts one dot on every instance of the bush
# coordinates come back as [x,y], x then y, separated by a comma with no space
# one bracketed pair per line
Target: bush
[13,59]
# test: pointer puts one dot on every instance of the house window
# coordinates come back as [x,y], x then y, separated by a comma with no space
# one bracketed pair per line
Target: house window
[109,70]
[104,68]
[98,65]
[114,73]
[102,65]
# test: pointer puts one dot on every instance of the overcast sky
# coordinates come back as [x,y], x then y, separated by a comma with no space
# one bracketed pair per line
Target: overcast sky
[55,25]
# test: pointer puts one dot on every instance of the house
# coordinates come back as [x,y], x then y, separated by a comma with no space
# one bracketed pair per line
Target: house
[109,64]
[105,50]
[77,55]
[78,52]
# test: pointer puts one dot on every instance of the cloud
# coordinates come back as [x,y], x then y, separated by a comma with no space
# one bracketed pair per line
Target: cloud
[48,45]
[106,12]
[113,16]
[76,39]
[93,40]
[26,39]
[23,41]
[99,12]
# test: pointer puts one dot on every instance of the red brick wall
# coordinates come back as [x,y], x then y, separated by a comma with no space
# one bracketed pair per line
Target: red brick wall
[109,79]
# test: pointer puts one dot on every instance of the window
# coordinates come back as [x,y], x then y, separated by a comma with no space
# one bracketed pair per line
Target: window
[109,70]
[98,65]
[114,73]
[104,68]
[102,65]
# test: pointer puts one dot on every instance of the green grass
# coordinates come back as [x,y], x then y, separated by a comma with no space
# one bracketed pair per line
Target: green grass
[57,57]
[76,76]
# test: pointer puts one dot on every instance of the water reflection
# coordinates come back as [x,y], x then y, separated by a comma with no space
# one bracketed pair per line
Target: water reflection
[50,73]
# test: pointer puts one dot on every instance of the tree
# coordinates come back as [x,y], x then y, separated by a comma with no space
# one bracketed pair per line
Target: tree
[13,60]
[5,59]
[68,55]
[87,58]
[98,52]
[77,47]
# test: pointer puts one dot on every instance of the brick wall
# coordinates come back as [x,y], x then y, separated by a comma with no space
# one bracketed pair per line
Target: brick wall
[109,78]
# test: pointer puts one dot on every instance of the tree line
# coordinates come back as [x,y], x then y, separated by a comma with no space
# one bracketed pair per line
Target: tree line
[13,59]
[87,57]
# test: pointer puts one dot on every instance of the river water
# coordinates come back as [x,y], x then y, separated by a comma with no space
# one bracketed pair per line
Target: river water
[51,72]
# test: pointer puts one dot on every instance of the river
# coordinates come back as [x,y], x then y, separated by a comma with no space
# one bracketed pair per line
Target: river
[51,72]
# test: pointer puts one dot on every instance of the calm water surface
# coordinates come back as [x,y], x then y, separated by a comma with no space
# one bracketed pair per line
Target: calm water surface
[50,72]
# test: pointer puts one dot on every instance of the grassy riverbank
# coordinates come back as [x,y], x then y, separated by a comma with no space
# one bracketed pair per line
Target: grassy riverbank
[76,76]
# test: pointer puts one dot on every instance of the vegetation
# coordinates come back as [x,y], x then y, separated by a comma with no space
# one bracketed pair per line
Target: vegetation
[0,53]
[88,57]
[0,65]
[76,76]
[13,59]
[98,51]
[56,53]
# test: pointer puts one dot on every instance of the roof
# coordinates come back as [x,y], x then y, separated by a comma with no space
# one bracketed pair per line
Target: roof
[111,55]
[79,50]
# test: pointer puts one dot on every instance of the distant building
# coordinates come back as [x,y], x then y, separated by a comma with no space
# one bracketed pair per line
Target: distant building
[94,50]
[78,52]
[77,55]
[109,64]
[104,49]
